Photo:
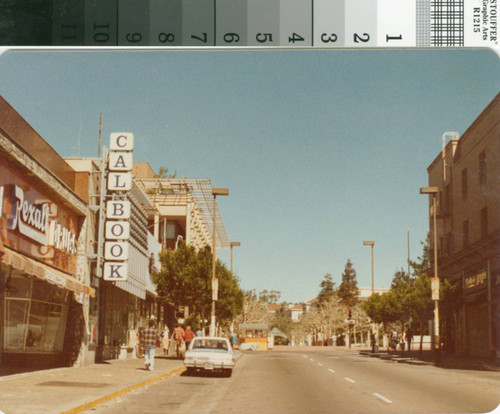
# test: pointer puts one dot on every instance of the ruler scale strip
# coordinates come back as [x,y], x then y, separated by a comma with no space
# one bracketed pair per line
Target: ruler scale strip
[254,23]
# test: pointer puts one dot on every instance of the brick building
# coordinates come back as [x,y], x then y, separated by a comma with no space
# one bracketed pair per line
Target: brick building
[467,174]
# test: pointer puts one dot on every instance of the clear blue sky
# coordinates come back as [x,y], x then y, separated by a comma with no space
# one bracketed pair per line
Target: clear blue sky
[320,149]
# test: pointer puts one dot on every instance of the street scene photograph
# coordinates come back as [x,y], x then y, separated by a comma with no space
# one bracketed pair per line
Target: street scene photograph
[249,231]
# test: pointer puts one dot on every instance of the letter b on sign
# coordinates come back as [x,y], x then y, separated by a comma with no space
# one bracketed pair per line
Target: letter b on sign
[118,210]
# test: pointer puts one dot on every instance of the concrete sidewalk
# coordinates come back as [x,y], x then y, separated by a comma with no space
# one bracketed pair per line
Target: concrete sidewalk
[73,390]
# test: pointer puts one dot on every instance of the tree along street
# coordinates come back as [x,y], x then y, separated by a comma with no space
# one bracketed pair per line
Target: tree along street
[312,380]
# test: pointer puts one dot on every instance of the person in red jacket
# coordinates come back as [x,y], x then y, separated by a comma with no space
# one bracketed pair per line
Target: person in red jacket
[188,336]
[178,336]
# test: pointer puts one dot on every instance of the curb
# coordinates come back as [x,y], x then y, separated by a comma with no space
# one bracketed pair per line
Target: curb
[122,391]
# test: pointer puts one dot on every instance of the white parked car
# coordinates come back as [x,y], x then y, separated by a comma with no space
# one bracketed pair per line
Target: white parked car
[209,354]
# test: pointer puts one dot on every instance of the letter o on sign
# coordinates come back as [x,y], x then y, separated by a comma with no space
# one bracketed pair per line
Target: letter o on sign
[116,250]
[117,230]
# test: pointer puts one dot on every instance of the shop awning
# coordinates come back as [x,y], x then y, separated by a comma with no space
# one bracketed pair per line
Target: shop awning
[45,272]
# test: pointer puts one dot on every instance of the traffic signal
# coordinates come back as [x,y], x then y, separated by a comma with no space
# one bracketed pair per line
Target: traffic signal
[350,313]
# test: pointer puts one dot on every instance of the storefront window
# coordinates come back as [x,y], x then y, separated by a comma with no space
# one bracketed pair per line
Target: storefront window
[18,286]
[35,316]
[16,323]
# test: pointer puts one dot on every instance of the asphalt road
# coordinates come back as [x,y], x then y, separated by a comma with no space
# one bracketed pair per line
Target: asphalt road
[324,381]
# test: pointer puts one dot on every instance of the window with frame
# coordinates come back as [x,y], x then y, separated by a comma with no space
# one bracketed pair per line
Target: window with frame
[465,233]
[35,315]
[482,167]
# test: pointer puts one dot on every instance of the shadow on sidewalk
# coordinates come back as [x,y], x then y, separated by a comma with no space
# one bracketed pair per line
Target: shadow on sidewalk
[440,359]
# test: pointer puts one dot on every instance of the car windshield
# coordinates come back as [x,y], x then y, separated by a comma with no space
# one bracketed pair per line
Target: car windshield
[215,344]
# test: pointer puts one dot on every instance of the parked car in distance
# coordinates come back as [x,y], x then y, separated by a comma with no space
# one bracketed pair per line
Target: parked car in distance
[210,354]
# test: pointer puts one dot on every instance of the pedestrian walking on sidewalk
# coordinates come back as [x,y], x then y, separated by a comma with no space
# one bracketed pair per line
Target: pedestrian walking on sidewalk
[188,336]
[150,338]
[409,338]
[165,340]
[140,342]
[179,340]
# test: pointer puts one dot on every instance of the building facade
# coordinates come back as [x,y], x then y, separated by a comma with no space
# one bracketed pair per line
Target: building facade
[121,307]
[467,175]
[44,284]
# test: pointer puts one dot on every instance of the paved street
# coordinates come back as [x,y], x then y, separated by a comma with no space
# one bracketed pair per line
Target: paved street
[317,381]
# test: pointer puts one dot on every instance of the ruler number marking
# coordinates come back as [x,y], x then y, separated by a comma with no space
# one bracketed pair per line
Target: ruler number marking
[387,38]
[166,37]
[264,37]
[101,36]
[133,37]
[326,38]
[365,37]
[295,38]
[203,39]
[231,37]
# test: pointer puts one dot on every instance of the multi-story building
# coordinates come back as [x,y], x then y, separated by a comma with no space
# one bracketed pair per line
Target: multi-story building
[44,281]
[120,307]
[467,175]
[186,209]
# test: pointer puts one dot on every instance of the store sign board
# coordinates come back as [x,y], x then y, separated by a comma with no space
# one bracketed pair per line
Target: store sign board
[476,281]
[35,220]
[118,211]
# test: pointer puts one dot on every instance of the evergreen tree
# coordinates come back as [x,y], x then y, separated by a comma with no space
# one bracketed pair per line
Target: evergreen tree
[348,291]
[327,288]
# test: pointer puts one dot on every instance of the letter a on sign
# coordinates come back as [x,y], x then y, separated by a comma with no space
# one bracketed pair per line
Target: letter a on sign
[120,161]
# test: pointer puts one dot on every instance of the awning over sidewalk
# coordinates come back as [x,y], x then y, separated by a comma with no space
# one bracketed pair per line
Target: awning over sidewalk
[45,272]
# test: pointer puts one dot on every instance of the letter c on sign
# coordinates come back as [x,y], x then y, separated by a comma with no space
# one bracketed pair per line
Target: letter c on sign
[119,141]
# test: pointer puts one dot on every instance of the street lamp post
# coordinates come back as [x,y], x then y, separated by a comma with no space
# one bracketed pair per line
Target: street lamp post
[435,280]
[233,244]
[371,243]
[215,193]
[375,330]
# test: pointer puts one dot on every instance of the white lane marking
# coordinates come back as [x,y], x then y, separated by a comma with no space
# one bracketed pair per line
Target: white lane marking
[382,398]
[305,356]
[331,370]
[320,364]
[350,380]
[312,360]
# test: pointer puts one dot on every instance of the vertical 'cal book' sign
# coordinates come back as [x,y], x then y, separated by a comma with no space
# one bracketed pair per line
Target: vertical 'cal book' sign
[118,211]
